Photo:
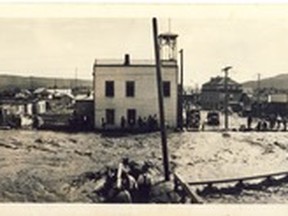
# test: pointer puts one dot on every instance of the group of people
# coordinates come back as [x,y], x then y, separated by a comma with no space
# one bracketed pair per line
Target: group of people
[147,124]
[129,183]
[143,124]
[270,122]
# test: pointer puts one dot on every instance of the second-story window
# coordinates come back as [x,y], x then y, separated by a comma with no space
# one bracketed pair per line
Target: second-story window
[109,88]
[166,89]
[130,89]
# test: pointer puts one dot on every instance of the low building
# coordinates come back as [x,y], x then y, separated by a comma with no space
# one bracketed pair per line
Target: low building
[191,99]
[83,115]
[276,104]
[42,93]
[16,113]
[213,93]
[82,90]
[39,107]
[17,107]
[278,98]
[58,91]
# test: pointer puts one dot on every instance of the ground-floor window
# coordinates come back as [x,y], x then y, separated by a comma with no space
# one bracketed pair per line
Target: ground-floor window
[110,116]
[131,116]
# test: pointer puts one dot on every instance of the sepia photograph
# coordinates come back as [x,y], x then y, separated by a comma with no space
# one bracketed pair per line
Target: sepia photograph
[144,104]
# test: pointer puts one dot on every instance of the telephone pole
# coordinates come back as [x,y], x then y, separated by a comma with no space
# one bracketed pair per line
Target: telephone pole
[226,99]
[181,90]
[160,100]
[258,94]
[76,77]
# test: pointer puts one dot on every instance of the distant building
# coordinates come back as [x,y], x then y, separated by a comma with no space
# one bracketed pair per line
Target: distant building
[278,98]
[17,107]
[213,93]
[83,114]
[16,113]
[42,93]
[23,94]
[57,91]
[39,107]
[276,104]
[128,89]
[191,100]
[81,91]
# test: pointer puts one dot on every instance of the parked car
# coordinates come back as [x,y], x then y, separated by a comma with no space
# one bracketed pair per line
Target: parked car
[213,118]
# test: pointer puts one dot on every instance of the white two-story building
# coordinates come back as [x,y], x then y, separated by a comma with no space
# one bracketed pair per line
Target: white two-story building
[127,89]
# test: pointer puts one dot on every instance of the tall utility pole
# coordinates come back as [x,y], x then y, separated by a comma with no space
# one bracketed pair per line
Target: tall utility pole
[226,69]
[258,94]
[181,90]
[55,83]
[31,83]
[160,100]
[76,77]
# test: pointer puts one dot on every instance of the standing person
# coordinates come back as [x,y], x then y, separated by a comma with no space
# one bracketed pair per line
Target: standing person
[124,180]
[259,125]
[155,122]
[203,126]
[140,123]
[272,119]
[278,120]
[145,124]
[129,183]
[249,122]
[123,122]
[103,123]
[284,121]
[150,123]
[122,167]
[144,182]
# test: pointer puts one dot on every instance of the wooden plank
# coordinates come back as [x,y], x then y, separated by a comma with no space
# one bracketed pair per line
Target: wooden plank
[237,179]
[188,191]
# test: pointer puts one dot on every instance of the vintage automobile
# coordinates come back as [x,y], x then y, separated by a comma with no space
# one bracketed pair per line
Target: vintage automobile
[213,118]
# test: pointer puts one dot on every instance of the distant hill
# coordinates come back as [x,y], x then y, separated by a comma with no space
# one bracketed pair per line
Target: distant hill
[278,82]
[12,82]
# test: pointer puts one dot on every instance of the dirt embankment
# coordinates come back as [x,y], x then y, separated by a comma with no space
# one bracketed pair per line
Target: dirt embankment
[41,166]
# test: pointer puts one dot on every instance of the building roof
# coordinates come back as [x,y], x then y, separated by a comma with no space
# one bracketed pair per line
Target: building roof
[220,81]
[84,98]
[168,35]
[14,102]
[132,63]
[40,90]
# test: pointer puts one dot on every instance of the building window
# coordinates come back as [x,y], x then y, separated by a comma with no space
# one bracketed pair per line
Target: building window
[130,89]
[109,88]
[166,89]
[110,116]
[131,117]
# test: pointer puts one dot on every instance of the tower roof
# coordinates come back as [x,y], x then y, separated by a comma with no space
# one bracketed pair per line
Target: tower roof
[168,35]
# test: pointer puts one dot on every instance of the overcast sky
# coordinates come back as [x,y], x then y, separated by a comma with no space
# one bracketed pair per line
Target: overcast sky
[253,40]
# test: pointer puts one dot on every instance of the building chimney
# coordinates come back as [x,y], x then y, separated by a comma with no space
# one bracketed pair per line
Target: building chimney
[127,59]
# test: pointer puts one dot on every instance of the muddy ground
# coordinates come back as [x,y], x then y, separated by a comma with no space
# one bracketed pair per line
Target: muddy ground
[43,166]
[46,166]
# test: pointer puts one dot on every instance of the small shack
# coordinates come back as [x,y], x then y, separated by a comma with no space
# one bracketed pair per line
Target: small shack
[83,114]
[16,113]
[39,106]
